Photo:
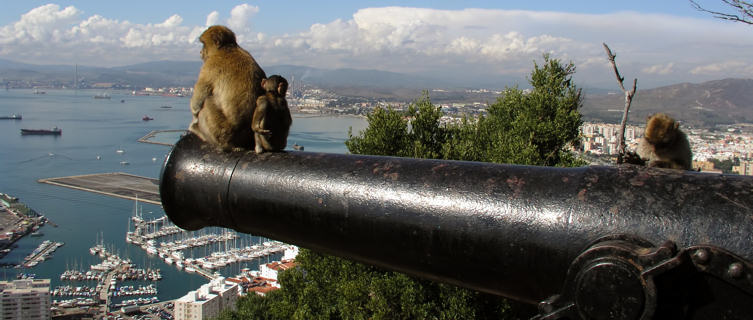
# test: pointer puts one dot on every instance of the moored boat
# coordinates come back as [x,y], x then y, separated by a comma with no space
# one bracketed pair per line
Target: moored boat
[54,131]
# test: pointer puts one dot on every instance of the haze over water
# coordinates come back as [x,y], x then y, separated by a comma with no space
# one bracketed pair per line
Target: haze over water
[98,127]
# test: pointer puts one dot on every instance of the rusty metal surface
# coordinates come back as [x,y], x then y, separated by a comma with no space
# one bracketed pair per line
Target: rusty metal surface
[504,229]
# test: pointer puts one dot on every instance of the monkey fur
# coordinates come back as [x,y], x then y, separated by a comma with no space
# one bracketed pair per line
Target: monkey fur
[272,120]
[224,96]
[664,145]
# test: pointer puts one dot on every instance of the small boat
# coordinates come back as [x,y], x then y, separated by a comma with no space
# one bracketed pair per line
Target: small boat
[37,91]
[11,117]
[165,107]
[147,118]
[124,163]
[54,131]
[297,147]
[36,234]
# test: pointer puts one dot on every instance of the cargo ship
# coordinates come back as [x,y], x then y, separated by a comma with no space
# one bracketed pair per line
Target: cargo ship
[54,131]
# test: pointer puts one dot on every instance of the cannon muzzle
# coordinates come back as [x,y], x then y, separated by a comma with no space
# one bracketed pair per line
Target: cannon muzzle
[620,242]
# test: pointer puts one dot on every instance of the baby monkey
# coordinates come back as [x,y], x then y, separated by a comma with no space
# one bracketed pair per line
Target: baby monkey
[271,122]
[664,145]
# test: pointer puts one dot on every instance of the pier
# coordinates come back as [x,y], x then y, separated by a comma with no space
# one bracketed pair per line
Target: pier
[41,253]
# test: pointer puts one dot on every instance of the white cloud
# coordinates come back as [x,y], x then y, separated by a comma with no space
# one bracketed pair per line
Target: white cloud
[661,69]
[41,24]
[501,42]
[240,15]
[726,67]
[212,18]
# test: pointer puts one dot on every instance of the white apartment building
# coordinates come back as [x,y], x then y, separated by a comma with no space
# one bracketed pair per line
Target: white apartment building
[27,299]
[208,301]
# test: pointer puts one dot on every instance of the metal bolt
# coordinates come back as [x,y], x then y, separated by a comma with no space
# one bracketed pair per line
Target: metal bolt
[701,256]
[735,270]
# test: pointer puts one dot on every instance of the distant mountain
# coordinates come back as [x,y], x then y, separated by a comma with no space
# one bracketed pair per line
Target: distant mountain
[702,104]
[699,104]
[183,73]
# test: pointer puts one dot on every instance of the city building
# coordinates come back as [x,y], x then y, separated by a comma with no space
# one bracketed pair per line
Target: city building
[745,168]
[27,299]
[705,166]
[272,269]
[208,301]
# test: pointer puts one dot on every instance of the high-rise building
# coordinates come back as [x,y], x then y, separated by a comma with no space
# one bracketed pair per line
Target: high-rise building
[25,299]
[208,301]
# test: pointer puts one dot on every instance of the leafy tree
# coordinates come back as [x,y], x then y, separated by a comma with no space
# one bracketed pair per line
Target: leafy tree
[386,135]
[533,127]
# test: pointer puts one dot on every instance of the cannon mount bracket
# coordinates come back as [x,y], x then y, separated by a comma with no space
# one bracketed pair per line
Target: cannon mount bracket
[628,278]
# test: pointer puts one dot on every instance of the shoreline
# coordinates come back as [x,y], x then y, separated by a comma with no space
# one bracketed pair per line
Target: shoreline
[322,115]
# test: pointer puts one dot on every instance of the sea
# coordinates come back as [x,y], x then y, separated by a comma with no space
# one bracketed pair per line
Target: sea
[92,131]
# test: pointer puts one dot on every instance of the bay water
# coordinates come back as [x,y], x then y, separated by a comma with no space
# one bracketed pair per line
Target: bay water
[92,131]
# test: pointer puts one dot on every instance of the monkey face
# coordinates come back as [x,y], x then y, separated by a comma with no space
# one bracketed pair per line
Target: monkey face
[661,129]
[214,38]
[203,52]
[275,84]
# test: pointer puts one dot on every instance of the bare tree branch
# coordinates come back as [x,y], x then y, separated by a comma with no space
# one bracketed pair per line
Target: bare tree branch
[628,100]
[744,8]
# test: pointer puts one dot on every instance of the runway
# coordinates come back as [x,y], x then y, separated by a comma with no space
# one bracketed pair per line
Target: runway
[115,184]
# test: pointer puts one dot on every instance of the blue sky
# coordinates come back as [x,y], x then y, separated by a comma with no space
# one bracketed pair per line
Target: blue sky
[657,41]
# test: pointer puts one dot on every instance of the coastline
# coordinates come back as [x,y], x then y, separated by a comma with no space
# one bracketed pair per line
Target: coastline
[323,115]
[15,223]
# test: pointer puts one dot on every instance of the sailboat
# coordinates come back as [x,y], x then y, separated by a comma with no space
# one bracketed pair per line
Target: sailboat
[103,95]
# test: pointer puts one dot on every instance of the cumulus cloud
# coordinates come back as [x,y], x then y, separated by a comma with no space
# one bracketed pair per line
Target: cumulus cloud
[403,39]
[725,67]
[212,18]
[240,15]
[661,69]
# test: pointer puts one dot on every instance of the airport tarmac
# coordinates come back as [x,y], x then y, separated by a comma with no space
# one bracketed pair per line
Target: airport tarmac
[116,184]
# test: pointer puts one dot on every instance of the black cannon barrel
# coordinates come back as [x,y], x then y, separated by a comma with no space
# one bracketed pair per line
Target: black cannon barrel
[505,229]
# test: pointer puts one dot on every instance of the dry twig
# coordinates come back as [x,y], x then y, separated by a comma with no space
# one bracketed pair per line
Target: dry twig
[628,100]
[745,8]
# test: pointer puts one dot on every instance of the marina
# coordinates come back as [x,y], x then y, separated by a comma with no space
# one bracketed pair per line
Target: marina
[95,129]
[184,248]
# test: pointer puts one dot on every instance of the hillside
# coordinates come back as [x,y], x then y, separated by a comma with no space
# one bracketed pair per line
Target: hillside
[699,104]
[702,104]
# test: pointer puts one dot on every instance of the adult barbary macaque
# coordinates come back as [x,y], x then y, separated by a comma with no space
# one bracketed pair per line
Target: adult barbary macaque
[272,120]
[664,145]
[224,96]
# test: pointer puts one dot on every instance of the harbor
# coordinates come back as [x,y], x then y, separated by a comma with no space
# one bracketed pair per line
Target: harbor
[94,132]
[205,252]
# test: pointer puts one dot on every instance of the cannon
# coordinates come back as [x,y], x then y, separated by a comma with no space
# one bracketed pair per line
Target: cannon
[594,242]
